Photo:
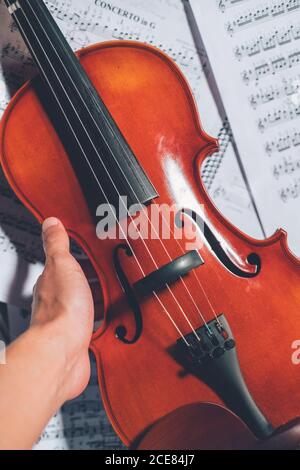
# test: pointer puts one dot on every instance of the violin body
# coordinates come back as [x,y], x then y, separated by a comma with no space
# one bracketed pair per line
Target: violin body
[140,383]
[180,430]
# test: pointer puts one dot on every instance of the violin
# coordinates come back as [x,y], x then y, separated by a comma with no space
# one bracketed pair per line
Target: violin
[195,311]
[223,430]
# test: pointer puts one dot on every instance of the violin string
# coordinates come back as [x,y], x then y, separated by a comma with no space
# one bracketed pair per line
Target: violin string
[152,258]
[117,137]
[152,226]
[200,284]
[99,184]
[195,275]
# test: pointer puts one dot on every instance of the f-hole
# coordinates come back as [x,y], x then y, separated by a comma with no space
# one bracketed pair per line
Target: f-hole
[121,332]
[253,259]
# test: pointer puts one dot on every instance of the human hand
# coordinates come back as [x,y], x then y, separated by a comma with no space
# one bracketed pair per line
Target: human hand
[63,306]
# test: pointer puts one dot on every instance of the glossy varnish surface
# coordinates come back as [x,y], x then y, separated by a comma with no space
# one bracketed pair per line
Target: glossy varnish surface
[153,106]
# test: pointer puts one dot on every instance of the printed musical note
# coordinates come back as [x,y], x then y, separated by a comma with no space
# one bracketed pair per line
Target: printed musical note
[288,166]
[266,42]
[278,116]
[261,13]
[290,192]
[283,143]
[287,88]
[273,66]
[224,4]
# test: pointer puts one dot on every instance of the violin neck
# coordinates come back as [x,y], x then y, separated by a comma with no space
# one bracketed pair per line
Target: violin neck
[97,136]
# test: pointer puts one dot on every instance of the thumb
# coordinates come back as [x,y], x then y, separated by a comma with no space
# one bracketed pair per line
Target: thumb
[55,238]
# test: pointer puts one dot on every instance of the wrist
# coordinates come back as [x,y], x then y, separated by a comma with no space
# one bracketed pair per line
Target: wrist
[67,354]
[48,342]
[34,384]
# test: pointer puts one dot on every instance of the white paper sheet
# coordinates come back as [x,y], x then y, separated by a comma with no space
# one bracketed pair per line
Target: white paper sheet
[81,424]
[160,22]
[254,50]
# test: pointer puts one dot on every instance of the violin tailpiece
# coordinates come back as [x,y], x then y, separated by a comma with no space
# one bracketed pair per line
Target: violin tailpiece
[215,362]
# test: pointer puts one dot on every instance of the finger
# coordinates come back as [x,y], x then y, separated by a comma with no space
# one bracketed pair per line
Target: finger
[55,238]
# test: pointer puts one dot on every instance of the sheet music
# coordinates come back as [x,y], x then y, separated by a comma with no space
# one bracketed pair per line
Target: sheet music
[254,49]
[82,423]
[161,23]
[21,253]
[227,188]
